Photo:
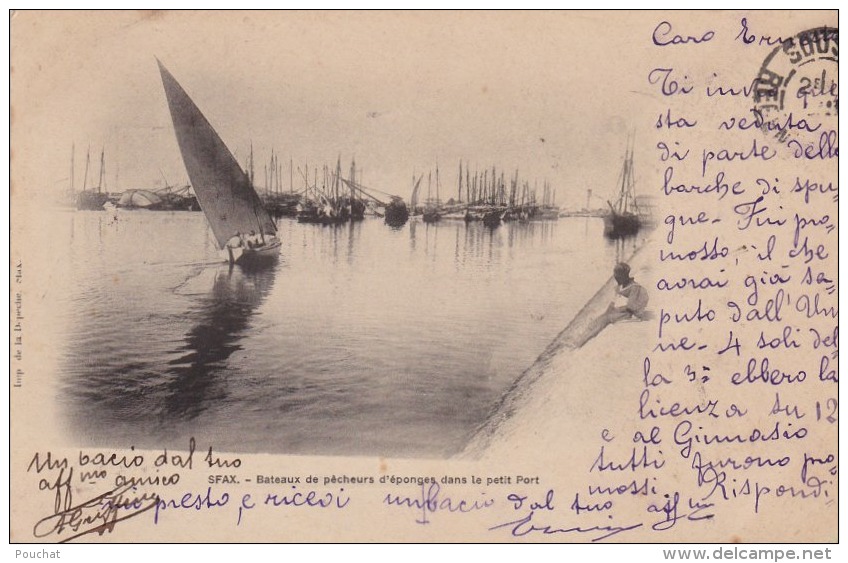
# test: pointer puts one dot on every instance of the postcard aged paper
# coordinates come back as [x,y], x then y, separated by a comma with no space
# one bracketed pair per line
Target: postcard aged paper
[424,277]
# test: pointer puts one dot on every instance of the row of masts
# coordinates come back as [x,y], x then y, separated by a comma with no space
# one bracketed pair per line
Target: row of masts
[497,189]
[324,194]
[94,198]
[488,195]
[487,187]
[101,186]
[274,176]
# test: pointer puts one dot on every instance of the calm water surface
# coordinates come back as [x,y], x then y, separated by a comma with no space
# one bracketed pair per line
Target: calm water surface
[362,340]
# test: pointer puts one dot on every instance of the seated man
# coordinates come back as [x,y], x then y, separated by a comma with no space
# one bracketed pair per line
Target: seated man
[636,297]
[633,301]
[234,242]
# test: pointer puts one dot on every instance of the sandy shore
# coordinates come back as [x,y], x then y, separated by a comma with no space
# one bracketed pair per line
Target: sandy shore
[567,392]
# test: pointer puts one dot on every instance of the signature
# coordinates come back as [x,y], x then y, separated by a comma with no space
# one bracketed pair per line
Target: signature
[525,526]
[99,514]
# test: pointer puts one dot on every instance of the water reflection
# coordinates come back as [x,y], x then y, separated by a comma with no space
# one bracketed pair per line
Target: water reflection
[478,243]
[363,340]
[129,376]
[220,321]
[624,247]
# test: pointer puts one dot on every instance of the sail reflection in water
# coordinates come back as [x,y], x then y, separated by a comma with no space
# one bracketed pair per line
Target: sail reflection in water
[220,322]
[155,394]
[361,340]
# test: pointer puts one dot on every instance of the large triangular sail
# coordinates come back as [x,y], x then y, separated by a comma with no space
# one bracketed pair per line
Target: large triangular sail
[223,190]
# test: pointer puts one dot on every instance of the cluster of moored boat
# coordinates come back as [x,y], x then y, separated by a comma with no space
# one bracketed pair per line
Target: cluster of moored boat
[490,198]
[328,198]
[97,198]
[243,223]
[333,198]
[153,200]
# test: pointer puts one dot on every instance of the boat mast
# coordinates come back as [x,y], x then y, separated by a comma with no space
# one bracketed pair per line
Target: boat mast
[502,190]
[514,189]
[306,180]
[250,164]
[437,185]
[271,169]
[102,171]
[493,186]
[73,147]
[459,190]
[467,183]
[352,179]
[624,173]
[631,177]
[279,176]
[87,162]
[336,187]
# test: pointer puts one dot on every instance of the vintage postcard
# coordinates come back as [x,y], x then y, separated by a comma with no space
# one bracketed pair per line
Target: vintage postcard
[424,277]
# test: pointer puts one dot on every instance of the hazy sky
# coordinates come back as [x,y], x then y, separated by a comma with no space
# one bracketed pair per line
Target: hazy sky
[553,94]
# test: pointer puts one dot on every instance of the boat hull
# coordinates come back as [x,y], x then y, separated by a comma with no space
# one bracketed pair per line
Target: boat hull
[621,225]
[396,214]
[91,201]
[256,257]
[431,216]
[493,218]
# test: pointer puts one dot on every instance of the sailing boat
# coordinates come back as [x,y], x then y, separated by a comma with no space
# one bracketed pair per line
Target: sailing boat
[89,200]
[235,213]
[413,200]
[623,219]
[431,212]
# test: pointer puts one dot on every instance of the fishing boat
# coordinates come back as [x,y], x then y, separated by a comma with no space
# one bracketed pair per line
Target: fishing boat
[623,218]
[493,217]
[413,199]
[355,203]
[226,196]
[396,212]
[329,205]
[139,199]
[432,212]
[177,199]
[88,199]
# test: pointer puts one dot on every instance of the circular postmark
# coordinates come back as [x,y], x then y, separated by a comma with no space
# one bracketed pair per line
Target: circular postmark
[796,93]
